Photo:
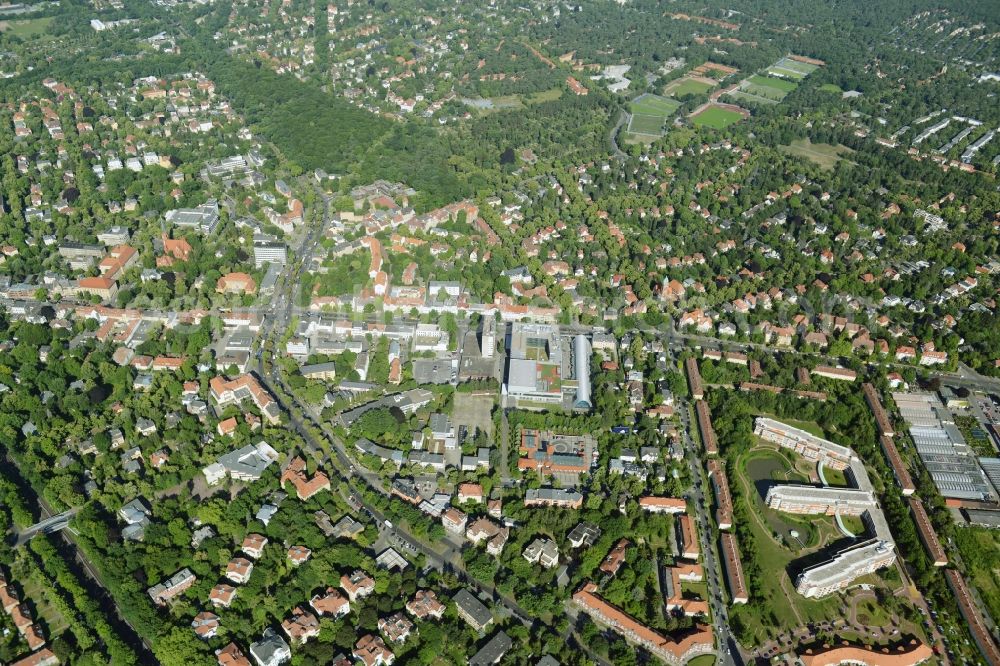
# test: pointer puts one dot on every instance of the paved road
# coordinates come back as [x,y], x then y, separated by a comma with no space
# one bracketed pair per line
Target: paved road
[728,653]
[46,526]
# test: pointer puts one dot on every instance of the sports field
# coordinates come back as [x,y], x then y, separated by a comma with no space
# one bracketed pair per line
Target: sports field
[772,82]
[648,125]
[716,117]
[768,88]
[688,86]
[793,69]
[654,105]
[649,114]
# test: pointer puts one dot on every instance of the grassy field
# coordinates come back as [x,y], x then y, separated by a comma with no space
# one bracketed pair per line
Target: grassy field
[643,124]
[687,87]
[831,88]
[771,82]
[739,96]
[823,154]
[545,96]
[854,524]
[45,612]
[702,660]
[980,548]
[835,477]
[716,117]
[506,103]
[803,68]
[649,113]
[514,102]
[786,609]
[871,614]
[26,28]
[654,105]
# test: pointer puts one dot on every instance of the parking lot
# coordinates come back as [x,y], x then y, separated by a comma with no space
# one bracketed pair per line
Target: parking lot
[474,411]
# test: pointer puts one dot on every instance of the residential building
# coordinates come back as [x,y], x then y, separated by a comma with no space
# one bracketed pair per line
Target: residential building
[542,551]
[472,610]
[231,655]
[239,569]
[253,545]
[454,521]
[331,602]
[271,649]
[357,585]
[425,604]
[229,392]
[205,625]
[305,488]
[165,592]
[662,504]
[556,497]
[371,650]
[222,595]
[687,538]
[927,534]
[300,626]
[493,651]
[584,534]
[734,568]
[909,654]
[673,650]
[495,536]
[615,558]
[708,437]
[396,627]
[723,500]
[838,573]
[969,609]
[806,444]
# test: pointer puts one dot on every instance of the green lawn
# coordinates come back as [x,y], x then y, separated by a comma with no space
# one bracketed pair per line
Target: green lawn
[702,660]
[871,614]
[831,88]
[545,96]
[54,622]
[835,477]
[687,87]
[802,68]
[771,82]
[506,103]
[716,117]
[741,96]
[784,612]
[854,524]
[654,105]
[980,549]
[26,28]
[643,124]
[823,154]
